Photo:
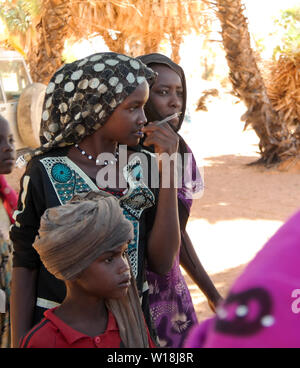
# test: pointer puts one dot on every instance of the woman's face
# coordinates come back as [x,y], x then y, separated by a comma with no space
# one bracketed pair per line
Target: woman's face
[166,94]
[125,124]
[7,148]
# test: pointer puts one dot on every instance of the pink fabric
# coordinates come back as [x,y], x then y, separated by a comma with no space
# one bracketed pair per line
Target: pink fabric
[9,197]
[263,305]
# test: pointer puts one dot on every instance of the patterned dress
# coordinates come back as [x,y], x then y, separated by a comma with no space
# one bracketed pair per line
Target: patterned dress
[171,305]
[52,180]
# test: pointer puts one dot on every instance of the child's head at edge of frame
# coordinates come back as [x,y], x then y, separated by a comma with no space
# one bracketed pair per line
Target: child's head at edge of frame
[7,148]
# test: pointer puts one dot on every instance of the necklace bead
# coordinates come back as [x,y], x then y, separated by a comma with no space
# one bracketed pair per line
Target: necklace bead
[90,157]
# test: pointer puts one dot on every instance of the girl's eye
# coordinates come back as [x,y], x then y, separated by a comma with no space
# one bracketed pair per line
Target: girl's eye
[108,260]
[163,92]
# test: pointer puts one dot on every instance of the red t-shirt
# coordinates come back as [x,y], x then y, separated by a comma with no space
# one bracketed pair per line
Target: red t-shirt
[52,332]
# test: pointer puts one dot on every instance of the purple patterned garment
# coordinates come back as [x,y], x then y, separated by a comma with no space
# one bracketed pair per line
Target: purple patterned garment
[171,304]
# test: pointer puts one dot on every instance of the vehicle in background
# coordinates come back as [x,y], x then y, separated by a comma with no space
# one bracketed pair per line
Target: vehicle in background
[20,99]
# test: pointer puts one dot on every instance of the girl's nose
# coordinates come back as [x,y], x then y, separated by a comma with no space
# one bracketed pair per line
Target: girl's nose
[124,265]
[142,119]
[8,147]
[175,101]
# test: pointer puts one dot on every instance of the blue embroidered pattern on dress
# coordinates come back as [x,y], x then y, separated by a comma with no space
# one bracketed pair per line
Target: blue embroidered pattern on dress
[65,180]
[61,173]
[134,202]
[139,196]
[68,180]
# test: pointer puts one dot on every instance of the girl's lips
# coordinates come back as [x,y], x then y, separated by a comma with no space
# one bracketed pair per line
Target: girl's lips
[174,123]
[125,283]
[9,161]
[174,120]
[139,134]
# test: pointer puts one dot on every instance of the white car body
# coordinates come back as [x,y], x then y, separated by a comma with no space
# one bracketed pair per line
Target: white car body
[14,77]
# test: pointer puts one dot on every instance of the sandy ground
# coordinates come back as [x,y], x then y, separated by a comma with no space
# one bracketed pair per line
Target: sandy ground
[242,205]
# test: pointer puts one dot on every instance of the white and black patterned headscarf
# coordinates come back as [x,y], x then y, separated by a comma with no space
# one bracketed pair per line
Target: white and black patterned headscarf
[81,96]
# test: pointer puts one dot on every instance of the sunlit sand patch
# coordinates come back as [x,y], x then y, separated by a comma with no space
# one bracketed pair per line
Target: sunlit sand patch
[228,244]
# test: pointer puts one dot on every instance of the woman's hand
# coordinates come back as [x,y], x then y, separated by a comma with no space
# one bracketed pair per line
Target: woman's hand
[164,140]
[162,137]
[164,239]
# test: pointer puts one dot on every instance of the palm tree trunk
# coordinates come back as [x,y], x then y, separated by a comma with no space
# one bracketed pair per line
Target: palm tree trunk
[45,55]
[275,141]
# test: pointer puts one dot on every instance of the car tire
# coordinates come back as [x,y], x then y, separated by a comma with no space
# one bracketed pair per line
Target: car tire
[29,113]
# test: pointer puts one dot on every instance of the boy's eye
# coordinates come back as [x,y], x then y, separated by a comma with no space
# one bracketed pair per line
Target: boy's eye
[108,260]
[125,253]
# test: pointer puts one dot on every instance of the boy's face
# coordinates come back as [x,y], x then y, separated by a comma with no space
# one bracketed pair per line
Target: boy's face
[7,148]
[108,277]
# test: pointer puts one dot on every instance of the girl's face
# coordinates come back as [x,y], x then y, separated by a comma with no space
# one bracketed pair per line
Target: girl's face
[125,124]
[166,94]
[7,148]
[108,276]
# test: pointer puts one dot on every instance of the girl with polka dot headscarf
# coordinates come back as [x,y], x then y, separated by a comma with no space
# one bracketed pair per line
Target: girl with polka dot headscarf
[82,95]
[91,107]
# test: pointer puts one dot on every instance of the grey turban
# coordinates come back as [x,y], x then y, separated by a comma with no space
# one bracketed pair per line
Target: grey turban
[72,236]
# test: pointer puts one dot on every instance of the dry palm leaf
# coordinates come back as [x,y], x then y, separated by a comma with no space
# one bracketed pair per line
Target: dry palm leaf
[276,140]
[283,85]
[131,26]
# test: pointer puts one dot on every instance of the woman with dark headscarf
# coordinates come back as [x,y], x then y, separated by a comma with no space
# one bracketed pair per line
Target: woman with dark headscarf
[171,305]
[91,106]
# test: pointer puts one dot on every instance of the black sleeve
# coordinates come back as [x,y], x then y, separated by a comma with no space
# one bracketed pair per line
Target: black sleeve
[31,206]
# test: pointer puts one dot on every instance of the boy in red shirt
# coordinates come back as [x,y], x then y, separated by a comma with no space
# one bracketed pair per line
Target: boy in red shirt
[85,244]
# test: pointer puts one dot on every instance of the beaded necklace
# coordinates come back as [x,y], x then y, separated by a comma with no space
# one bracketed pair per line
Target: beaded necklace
[90,157]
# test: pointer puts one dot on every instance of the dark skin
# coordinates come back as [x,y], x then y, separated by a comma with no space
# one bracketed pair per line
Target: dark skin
[7,148]
[84,308]
[125,127]
[166,96]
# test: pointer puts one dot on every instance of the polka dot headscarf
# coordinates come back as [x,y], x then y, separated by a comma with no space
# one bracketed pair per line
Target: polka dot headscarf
[81,96]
